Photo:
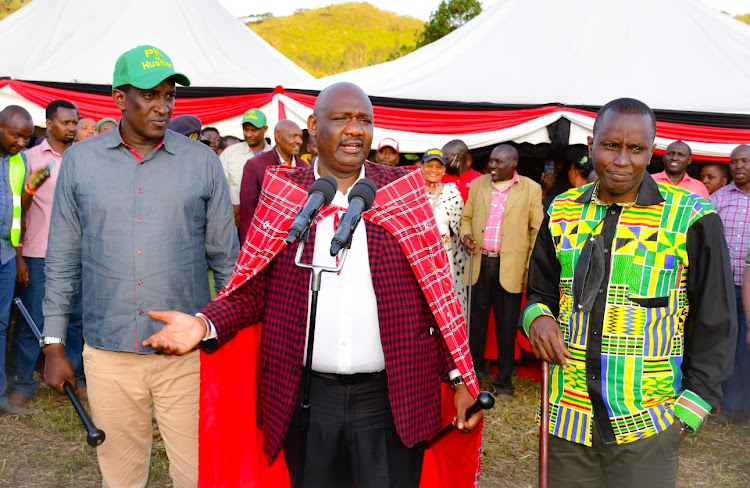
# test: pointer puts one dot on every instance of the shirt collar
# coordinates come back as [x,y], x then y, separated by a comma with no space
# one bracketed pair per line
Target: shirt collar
[113,139]
[361,175]
[648,193]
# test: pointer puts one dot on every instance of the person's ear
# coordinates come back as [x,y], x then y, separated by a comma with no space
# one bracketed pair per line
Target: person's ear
[119,97]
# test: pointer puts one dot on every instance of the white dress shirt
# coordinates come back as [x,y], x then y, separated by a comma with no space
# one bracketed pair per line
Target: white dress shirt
[347,331]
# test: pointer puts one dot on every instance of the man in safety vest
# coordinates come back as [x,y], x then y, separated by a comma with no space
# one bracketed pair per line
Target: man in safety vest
[16,128]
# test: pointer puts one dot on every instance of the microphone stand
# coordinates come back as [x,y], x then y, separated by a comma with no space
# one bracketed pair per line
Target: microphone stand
[316,275]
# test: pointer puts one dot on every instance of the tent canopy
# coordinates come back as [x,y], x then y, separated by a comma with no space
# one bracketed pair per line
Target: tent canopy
[78,41]
[672,54]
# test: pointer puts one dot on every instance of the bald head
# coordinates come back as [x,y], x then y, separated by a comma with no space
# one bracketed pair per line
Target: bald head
[288,137]
[342,124]
[502,163]
[677,158]
[458,157]
[16,128]
[739,167]
[12,110]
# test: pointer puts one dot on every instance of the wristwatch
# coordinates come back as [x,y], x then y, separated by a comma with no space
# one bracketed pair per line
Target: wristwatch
[458,380]
[45,341]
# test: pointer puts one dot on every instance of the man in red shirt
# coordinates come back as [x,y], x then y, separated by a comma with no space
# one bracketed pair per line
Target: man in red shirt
[459,166]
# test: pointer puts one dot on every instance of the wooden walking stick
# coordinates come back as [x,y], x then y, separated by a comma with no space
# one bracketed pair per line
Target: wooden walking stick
[544,429]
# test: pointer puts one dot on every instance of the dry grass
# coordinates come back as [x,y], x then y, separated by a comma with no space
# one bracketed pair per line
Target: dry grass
[716,456]
[49,449]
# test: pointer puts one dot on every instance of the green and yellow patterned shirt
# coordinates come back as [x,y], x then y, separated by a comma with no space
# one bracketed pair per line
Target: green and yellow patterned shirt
[643,295]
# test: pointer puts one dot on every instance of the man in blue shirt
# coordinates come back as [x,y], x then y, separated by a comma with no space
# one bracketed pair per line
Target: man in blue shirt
[140,213]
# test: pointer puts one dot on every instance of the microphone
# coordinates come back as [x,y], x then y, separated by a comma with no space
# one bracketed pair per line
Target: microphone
[321,193]
[361,197]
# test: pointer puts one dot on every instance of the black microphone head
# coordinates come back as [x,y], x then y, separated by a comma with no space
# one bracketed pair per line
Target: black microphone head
[326,186]
[364,189]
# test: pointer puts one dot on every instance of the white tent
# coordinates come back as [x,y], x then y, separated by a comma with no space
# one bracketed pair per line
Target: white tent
[78,42]
[675,55]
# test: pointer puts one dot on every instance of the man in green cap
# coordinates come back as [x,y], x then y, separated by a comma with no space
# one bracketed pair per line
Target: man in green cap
[139,214]
[233,158]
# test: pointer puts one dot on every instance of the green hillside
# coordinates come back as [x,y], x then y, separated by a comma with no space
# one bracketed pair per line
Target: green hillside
[338,38]
[7,7]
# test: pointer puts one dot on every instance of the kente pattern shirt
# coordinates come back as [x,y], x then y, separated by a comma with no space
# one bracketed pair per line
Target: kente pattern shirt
[644,298]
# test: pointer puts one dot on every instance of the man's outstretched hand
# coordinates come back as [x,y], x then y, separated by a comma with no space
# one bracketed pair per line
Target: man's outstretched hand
[181,334]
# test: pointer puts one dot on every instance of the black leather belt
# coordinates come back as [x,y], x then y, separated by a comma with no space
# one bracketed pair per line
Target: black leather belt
[350,379]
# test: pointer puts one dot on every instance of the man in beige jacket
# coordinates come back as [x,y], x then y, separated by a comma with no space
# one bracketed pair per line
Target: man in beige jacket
[504,212]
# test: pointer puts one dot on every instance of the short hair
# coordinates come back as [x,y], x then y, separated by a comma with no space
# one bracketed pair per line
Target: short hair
[209,129]
[457,144]
[628,106]
[690,151]
[723,168]
[224,140]
[51,110]
[11,111]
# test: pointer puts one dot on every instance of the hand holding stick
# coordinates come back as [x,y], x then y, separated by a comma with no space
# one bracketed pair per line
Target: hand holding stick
[94,436]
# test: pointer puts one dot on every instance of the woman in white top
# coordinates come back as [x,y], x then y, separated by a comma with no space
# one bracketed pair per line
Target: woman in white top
[448,206]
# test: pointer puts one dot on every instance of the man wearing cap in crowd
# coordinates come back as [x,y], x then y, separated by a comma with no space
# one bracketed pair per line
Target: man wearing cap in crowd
[387,153]
[139,214]
[233,158]
[501,204]
[288,137]
[106,125]
[187,125]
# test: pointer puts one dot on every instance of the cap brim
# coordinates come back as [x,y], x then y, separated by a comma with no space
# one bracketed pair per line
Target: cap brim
[153,79]
[433,158]
[254,124]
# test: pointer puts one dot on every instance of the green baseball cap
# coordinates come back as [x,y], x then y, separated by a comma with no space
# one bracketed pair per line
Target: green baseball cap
[255,117]
[145,67]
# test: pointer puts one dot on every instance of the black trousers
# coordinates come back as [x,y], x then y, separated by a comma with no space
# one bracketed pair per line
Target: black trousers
[352,441]
[488,294]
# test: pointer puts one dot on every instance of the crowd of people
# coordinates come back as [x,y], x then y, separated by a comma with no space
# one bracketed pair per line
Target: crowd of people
[633,283]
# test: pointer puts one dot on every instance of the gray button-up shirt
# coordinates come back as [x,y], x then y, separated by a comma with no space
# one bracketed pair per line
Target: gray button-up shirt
[136,236]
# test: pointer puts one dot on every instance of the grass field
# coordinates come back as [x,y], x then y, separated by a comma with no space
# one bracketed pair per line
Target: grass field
[49,449]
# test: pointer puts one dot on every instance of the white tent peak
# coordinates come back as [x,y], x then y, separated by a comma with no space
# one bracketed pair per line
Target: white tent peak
[671,54]
[78,41]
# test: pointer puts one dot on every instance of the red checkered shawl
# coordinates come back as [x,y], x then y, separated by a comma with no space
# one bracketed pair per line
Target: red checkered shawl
[402,209]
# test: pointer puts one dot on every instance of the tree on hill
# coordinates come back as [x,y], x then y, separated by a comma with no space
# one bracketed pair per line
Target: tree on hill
[449,16]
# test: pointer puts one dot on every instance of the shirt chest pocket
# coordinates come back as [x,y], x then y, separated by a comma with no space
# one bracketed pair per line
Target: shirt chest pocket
[652,275]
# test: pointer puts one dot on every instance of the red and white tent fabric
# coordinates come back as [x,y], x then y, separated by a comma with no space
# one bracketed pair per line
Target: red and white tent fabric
[504,76]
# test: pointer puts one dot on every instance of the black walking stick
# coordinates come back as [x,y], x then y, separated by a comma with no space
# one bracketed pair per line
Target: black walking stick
[94,436]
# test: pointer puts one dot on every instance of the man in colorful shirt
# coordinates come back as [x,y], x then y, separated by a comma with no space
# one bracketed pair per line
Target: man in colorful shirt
[677,158]
[732,203]
[631,300]
[499,225]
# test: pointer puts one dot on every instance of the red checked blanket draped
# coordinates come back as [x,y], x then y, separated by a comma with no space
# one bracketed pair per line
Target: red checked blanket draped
[231,444]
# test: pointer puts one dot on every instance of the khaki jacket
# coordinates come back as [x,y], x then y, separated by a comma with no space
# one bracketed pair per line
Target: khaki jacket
[523,217]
